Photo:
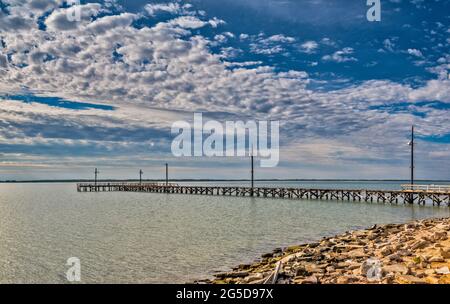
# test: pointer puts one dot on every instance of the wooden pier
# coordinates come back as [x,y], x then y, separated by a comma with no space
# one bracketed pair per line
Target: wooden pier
[409,194]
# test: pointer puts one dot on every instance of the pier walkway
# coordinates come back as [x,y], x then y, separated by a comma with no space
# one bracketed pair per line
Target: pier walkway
[409,194]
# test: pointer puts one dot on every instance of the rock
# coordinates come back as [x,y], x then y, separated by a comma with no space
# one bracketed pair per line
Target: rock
[278,250]
[267,255]
[372,237]
[342,280]
[440,235]
[429,272]
[409,279]
[442,227]
[417,260]
[309,280]
[397,247]
[254,277]
[421,274]
[313,245]
[426,257]
[301,271]
[386,251]
[404,252]
[397,268]
[258,282]
[304,258]
[437,259]
[445,279]
[358,253]
[322,266]
[347,279]
[342,265]
[288,259]
[443,270]
[234,274]
[388,280]
[293,248]
[354,266]
[371,269]
[445,253]
[395,257]
[374,227]
[428,238]
[330,269]
[244,267]
[410,226]
[420,244]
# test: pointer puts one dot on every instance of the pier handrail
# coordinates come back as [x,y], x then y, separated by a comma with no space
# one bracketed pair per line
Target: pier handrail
[107,184]
[426,188]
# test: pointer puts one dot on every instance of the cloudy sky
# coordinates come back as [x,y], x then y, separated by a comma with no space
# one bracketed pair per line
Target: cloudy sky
[104,91]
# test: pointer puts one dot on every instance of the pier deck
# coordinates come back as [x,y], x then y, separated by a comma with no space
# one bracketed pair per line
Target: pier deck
[410,194]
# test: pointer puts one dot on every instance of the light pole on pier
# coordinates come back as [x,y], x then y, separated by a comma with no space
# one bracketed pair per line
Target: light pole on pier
[96,172]
[411,143]
[252,171]
[167,174]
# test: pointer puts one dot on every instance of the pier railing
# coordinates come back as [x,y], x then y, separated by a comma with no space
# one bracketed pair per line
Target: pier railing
[107,184]
[426,188]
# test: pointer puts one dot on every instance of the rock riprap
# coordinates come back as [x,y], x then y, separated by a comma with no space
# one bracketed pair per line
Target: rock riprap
[412,253]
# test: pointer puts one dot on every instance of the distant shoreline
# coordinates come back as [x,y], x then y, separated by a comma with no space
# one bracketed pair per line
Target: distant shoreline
[221,180]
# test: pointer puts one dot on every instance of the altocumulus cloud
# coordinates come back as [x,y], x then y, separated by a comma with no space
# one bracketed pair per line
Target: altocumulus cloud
[157,71]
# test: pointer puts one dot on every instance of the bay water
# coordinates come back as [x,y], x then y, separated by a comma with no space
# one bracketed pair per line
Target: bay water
[165,238]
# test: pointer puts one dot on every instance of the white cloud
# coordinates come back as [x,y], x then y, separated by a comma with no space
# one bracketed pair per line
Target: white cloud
[433,90]
[415,52]
[327,41]
[172,8]
[279,38]
[59,20]
[188,22]
[244,36]
[309,47]
[271,45]
[389,45]
[110,23]
[341,56]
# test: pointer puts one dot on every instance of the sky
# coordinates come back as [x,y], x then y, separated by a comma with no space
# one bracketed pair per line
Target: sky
[104,91]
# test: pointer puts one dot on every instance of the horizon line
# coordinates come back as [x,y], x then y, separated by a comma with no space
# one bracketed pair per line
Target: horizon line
[216,180]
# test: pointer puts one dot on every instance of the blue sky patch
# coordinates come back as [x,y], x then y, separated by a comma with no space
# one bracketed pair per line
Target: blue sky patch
[57,102]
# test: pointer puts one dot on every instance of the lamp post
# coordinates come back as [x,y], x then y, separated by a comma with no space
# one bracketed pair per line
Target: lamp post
[167,174]
[96,172]
[411,143]
[252,172]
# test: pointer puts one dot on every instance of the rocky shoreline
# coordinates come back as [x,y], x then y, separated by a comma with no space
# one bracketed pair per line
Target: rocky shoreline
[412,253]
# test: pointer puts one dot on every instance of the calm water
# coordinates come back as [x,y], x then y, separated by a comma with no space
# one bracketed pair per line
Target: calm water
[159,238]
